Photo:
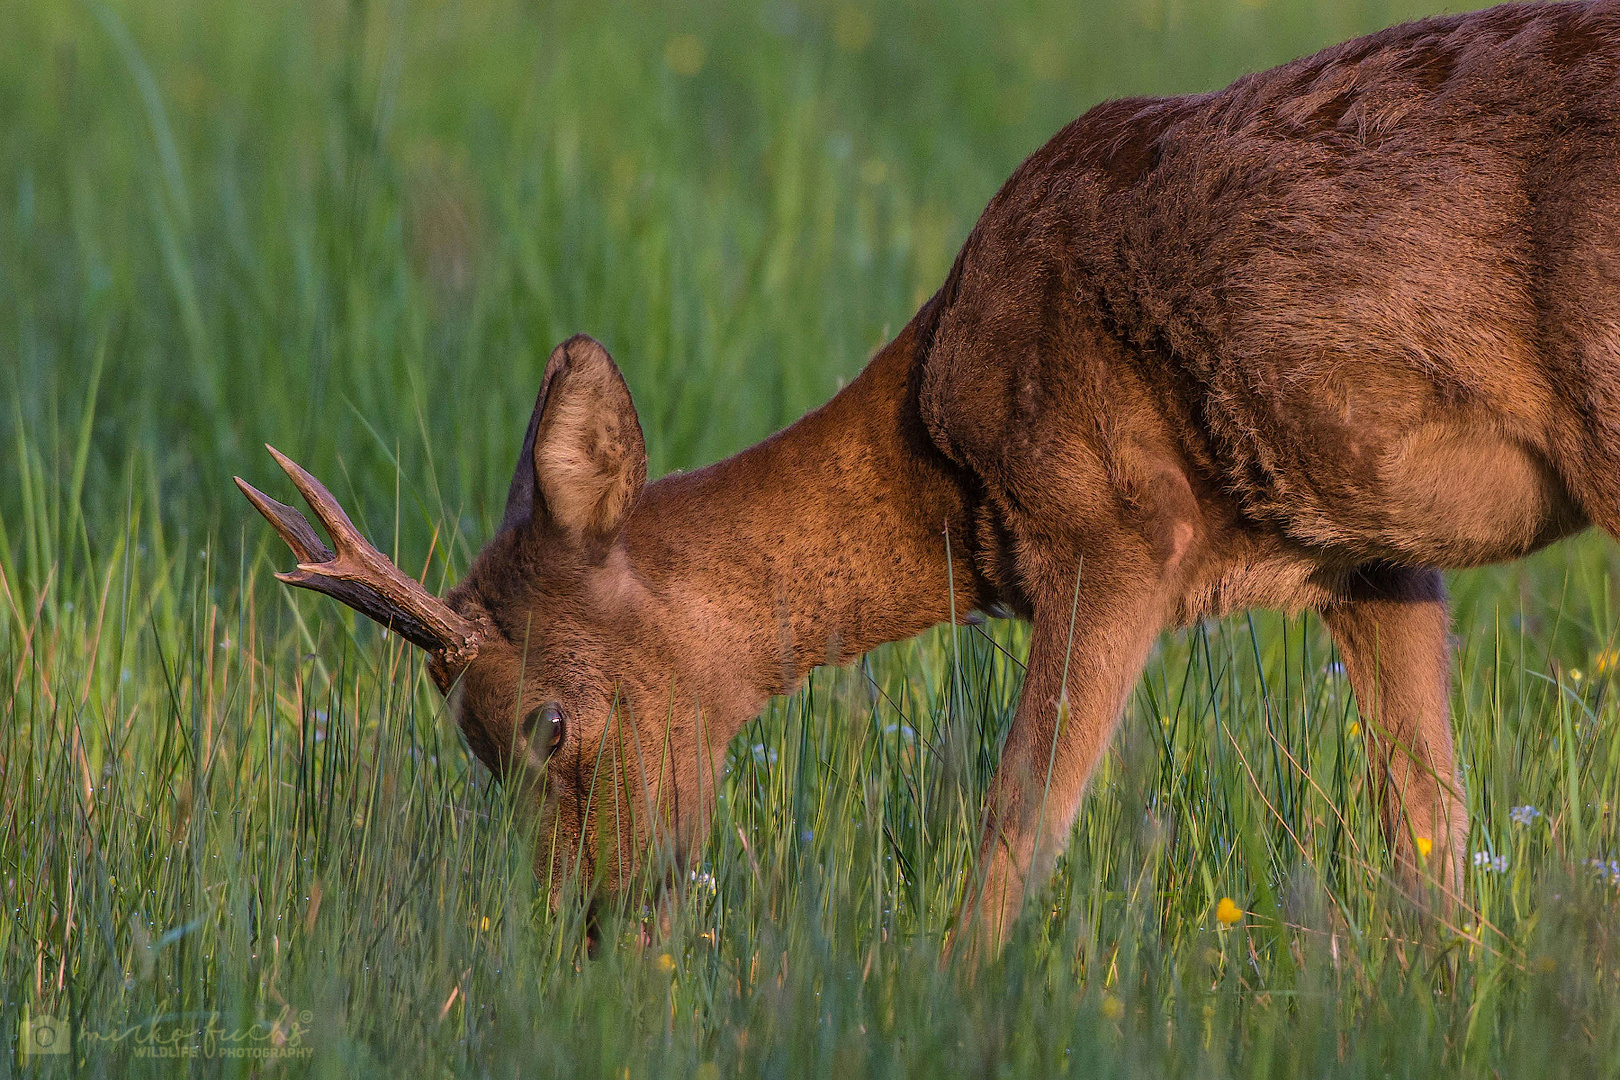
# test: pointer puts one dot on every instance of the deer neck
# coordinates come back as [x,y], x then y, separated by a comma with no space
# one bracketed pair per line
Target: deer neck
[842,532]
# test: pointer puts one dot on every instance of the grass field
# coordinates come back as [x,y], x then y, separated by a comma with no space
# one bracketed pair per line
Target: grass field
[234,819]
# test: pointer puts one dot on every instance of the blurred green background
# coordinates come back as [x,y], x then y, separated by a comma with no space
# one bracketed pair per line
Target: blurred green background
[356,230]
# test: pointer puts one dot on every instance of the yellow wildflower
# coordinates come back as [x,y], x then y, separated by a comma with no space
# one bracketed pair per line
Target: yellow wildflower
[1606,661]
[1354,729]
[1112,1007]
[1424,846]
[1227,912]
[666,962]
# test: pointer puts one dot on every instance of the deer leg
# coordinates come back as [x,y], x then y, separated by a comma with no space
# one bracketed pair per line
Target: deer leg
[1391,629]
[1086,653]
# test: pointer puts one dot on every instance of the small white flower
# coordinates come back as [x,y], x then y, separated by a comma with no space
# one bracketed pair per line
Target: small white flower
[1524,815]
[1496,864]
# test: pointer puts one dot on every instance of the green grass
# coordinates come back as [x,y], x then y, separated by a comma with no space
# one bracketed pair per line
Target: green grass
[356,231]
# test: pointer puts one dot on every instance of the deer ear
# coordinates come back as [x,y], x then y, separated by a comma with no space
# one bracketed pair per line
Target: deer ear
[584,460]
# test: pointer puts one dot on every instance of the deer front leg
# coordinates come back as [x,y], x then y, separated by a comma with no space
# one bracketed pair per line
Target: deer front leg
[1086,653]
[1391,628]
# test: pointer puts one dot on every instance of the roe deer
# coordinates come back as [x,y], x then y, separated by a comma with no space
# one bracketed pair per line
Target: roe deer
[1300,343]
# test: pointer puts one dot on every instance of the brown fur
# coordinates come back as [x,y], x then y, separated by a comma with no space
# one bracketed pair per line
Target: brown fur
[1299,343]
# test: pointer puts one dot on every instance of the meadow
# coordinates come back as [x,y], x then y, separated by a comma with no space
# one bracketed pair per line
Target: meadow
[238,835]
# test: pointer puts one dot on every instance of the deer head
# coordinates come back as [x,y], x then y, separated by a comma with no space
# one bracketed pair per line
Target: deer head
[613,636]
[546,652]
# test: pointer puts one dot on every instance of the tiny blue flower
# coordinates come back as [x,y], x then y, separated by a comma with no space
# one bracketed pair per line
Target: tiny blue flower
[1523,815]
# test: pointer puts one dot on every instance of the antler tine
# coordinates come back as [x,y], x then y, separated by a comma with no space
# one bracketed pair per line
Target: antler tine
[338,526]
[357,574]
[289,523]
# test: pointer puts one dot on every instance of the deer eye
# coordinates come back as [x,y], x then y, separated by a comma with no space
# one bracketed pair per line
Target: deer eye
[544,728]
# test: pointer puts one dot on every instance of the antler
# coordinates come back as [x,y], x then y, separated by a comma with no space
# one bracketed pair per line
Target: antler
[357,573]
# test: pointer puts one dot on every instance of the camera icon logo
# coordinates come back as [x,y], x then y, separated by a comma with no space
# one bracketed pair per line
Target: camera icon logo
[43,1034]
